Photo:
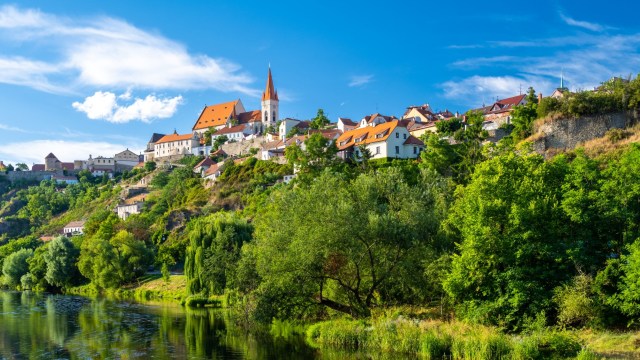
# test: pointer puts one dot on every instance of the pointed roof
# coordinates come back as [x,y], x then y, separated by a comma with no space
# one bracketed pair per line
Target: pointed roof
[216,115]
[206,162]
[270,93]
[51,156]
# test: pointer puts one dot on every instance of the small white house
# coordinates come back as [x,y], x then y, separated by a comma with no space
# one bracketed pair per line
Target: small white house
[74,228]
[126,210]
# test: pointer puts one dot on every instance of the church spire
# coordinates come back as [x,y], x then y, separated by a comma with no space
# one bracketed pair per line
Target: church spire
[269,92]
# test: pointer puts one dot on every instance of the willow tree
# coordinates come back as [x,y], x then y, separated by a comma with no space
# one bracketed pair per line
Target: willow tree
[342,244]
[214,249]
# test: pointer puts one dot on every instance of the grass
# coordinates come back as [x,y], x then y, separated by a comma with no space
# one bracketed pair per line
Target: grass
[433,339]
[605,342]
[149,287]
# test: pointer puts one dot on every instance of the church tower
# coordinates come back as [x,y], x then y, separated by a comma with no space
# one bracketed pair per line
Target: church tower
[269,104]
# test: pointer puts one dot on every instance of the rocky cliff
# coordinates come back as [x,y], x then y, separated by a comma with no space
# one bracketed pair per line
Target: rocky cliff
[567,133]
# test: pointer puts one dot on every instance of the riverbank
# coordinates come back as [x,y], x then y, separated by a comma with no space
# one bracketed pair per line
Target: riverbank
[147,288]
[435,339]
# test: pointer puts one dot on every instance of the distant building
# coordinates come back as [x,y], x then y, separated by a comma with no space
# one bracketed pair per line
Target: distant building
[203,165]
[51,163]
[126,210]
[74,228]
[149,152]
[126,160]
[175,145]
[345,124]
[500,111]
[385,140]
[70,180]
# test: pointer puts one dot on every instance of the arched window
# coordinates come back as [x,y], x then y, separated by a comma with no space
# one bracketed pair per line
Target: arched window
[273,118]
[266,116]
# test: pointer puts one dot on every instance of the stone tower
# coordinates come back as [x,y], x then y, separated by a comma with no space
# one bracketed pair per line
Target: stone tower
[269,104]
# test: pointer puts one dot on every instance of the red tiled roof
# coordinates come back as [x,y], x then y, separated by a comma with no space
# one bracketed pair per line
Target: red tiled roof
[212,169]
[37,167]
[412,140]
[348,122]
[174,137]
[249,117]
[366,135]
[215,115]
[205,162]
[230,130]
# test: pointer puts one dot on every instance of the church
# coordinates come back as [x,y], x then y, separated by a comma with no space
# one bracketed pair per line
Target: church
[231,117]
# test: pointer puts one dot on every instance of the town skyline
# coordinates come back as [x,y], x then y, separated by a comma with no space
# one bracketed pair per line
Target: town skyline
[105,78]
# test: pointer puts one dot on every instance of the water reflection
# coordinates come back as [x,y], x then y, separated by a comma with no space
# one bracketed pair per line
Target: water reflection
[56,326]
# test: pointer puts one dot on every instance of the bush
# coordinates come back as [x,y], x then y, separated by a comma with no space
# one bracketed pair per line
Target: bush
[616,135]
[576,306]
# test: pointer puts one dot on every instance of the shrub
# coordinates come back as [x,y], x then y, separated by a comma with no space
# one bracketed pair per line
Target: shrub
[576,306]
[616,135]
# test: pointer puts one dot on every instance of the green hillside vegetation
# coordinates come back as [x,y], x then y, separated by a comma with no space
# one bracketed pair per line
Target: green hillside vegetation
[471,244]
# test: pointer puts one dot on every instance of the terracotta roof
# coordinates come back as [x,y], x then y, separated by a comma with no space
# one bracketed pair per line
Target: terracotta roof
[75,224]
[272,145]
[298,139]
[218,152]
[348,122]
[412,140]
[205,162]
[67,166]
[215,115]
[502,105]
[370,118]
[366,135]
[37,167]
[212,169]
[174,137]
[269,93]
[327,133]
[51,156]
[249,116]
[230,130]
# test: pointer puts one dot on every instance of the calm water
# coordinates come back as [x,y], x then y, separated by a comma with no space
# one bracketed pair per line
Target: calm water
[34,326]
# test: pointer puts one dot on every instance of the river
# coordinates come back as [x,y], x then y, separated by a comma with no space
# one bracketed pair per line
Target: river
[44,326]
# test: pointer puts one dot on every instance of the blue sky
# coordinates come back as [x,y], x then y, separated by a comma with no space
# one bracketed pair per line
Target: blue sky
[96,77]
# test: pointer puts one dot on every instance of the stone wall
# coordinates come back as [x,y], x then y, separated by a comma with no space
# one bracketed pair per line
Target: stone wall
[32,175]
[567,133]
[242,147]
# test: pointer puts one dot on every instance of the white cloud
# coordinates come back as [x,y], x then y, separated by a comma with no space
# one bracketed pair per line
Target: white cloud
[359,80]
[105,106]
[476,90]
[33,152]
[106,52]
[581,24]
[12,128]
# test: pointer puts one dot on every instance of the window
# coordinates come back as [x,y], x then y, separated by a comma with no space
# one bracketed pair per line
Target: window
[397,135]
[377,150]
[404,136]
[397,149]
[415,150]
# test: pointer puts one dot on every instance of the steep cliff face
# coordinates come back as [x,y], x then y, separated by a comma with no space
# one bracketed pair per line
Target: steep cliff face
[567,133]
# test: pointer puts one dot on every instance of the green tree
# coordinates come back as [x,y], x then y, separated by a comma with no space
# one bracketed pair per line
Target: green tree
[448,127]
[219,141]
[342,245]
[208,135]
[514,240]
[213,252]
[15,266]
[150,165]
[320,121]
[22,167]
[522,116]
[317,154]
[61,258]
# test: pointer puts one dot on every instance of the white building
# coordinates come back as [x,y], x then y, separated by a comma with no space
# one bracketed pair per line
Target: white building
[385,140]
[74,228]
[175,145]
[345,124]
[126,210]
[235,133]
[126,158]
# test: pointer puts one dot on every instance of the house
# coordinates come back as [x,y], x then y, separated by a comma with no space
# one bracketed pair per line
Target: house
[233,113]
[288,124]
[74,228]
[69,180]
[126,210]
[235,133]
[102,172]
[126,159]
[203,165]
[375,119]
[149,152]
[51,163]
[500,111]
[345,124]
[175,145]
[213,172]
[101,163]
[420,114]
[385,140]
[287,178]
